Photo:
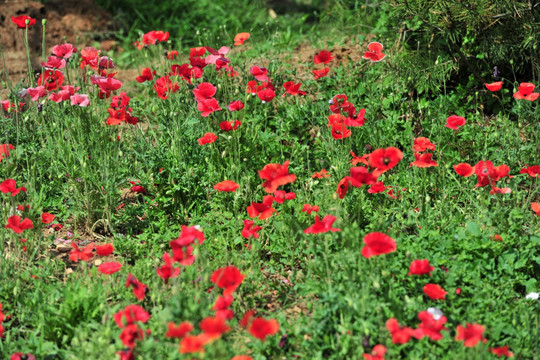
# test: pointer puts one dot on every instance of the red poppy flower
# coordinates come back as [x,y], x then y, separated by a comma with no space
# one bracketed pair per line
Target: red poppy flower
[420,267]
[54,62]
[64,50]
[90,56]
[150,38]
[322,226]
[126,354]
[130,334]
[536,208]
[324,56]
[194,344]
[423,160]
[51,79]
[309,209]
[342,187]
[171,55]
[228,278]
[495,86]
[208,106]
[138,189]
[321,174]
[227,186]
[20,21]
[10,186]
[266,95]
[471,334]
[317,74]
[280,196]
[132,314]
[208,138]
[47,218]
[240,38]
[189,235]
[496,237]
[204,90]
[377,353]
[422,144]
[364,159]
[80,100]
[214,327]
[374,52]
[139,289]
[167,271]
[5,149]
[434,292]
[196,52]
[356,120]
[464,169]
[340,131]
[223,302]
[454,122]
[293,89]
[250,230]
[84,255]
[377,244]
[525,91]
[106,85]
[276,175]
[533,171]
[18,226]
[385,159]
[229,125]
[500,351]
[146,75]
[164,87]
[261,328]
[400,334]
[430,327]
[109,267]
[179,331]
[105,249]
[377,188]
[235,105]
[263,210]
[259,73]
[21,356]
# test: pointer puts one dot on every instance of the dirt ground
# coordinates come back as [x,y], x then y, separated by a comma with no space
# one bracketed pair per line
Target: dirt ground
[80,22]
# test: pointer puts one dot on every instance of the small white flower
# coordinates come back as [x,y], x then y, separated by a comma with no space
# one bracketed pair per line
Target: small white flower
[532,296]
[435,312]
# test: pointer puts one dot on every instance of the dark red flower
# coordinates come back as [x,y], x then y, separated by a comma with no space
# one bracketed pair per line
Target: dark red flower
[208,138]
[276,175]
[374,52]
[471,334]
[84,255]
[377,244]
[500,351]
[430,327]
[317,74]
[261,328]
[454,122]
[130,334]
[495,86]
[229,125]
[146,75]
[322,226]
[109,268]
[51,79]
[423,160]
[235,105]
[105,249]
[309,209]
[434,292]
[263,210]
[10,186]
[167,271]
[250,230]
[139,289]
[293,89]
[228,278]
[385,159]
[525,91]
[259,73]
[420,267]
[18,226]
[20,21]
[324,56]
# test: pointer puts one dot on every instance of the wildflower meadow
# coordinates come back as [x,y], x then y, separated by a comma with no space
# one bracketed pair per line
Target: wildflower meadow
[282,191]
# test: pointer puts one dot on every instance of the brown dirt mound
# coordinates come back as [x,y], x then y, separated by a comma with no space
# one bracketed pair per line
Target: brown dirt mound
[74,21]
